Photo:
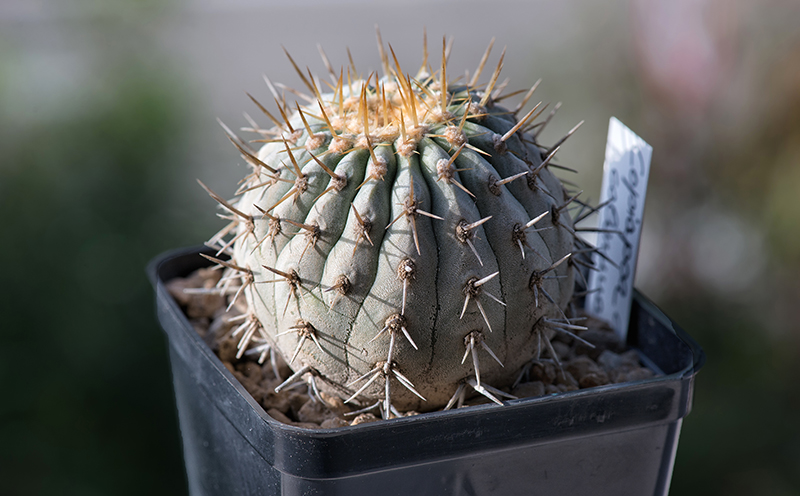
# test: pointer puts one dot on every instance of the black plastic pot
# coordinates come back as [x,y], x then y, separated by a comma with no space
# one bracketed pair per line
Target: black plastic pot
[618,439]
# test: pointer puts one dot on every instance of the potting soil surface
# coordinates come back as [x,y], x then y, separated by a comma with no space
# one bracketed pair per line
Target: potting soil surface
[579,366]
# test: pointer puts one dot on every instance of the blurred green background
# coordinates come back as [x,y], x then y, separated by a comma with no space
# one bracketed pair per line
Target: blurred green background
[107,115]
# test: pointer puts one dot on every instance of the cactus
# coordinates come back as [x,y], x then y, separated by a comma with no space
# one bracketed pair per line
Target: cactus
[401,241]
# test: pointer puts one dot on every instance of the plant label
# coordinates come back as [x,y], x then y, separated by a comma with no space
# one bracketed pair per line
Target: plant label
[625,172]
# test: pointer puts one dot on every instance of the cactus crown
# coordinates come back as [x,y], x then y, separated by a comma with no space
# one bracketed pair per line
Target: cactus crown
[400,241]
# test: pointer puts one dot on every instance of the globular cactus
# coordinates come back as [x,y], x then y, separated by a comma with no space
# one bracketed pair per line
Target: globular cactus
[402,240]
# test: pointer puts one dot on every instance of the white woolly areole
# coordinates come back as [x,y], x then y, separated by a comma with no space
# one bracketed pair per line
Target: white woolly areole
[455,136]
[377,169]
[445,169]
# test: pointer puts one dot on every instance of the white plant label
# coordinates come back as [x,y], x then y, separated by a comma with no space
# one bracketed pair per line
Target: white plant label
[625,173]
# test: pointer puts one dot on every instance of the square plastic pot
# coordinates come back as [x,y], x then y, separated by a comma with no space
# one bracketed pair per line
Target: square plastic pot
[617,439]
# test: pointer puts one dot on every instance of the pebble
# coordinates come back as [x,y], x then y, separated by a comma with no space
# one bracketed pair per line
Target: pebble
[587,372]
[566,378]
[637,374]
[258,393]
[334,422]
[297,398]
[335,403]
[631,356]
[610,360]
[313,411]
[197,305]
[594,380]
[364,418]
[251,370]
[221,324]
[544,371]
[529,389]
[248,383]
[276,401]
[279,416]
[226,350]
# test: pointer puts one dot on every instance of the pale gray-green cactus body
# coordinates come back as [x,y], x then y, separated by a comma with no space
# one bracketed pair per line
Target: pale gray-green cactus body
[398,241]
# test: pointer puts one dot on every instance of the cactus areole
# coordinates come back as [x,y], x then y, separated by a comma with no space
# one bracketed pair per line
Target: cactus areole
[400,241]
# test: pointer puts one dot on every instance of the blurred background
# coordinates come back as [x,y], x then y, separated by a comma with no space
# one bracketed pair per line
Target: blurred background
[107,116]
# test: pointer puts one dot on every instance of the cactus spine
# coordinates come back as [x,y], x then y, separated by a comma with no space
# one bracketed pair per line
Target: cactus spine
[401,240]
